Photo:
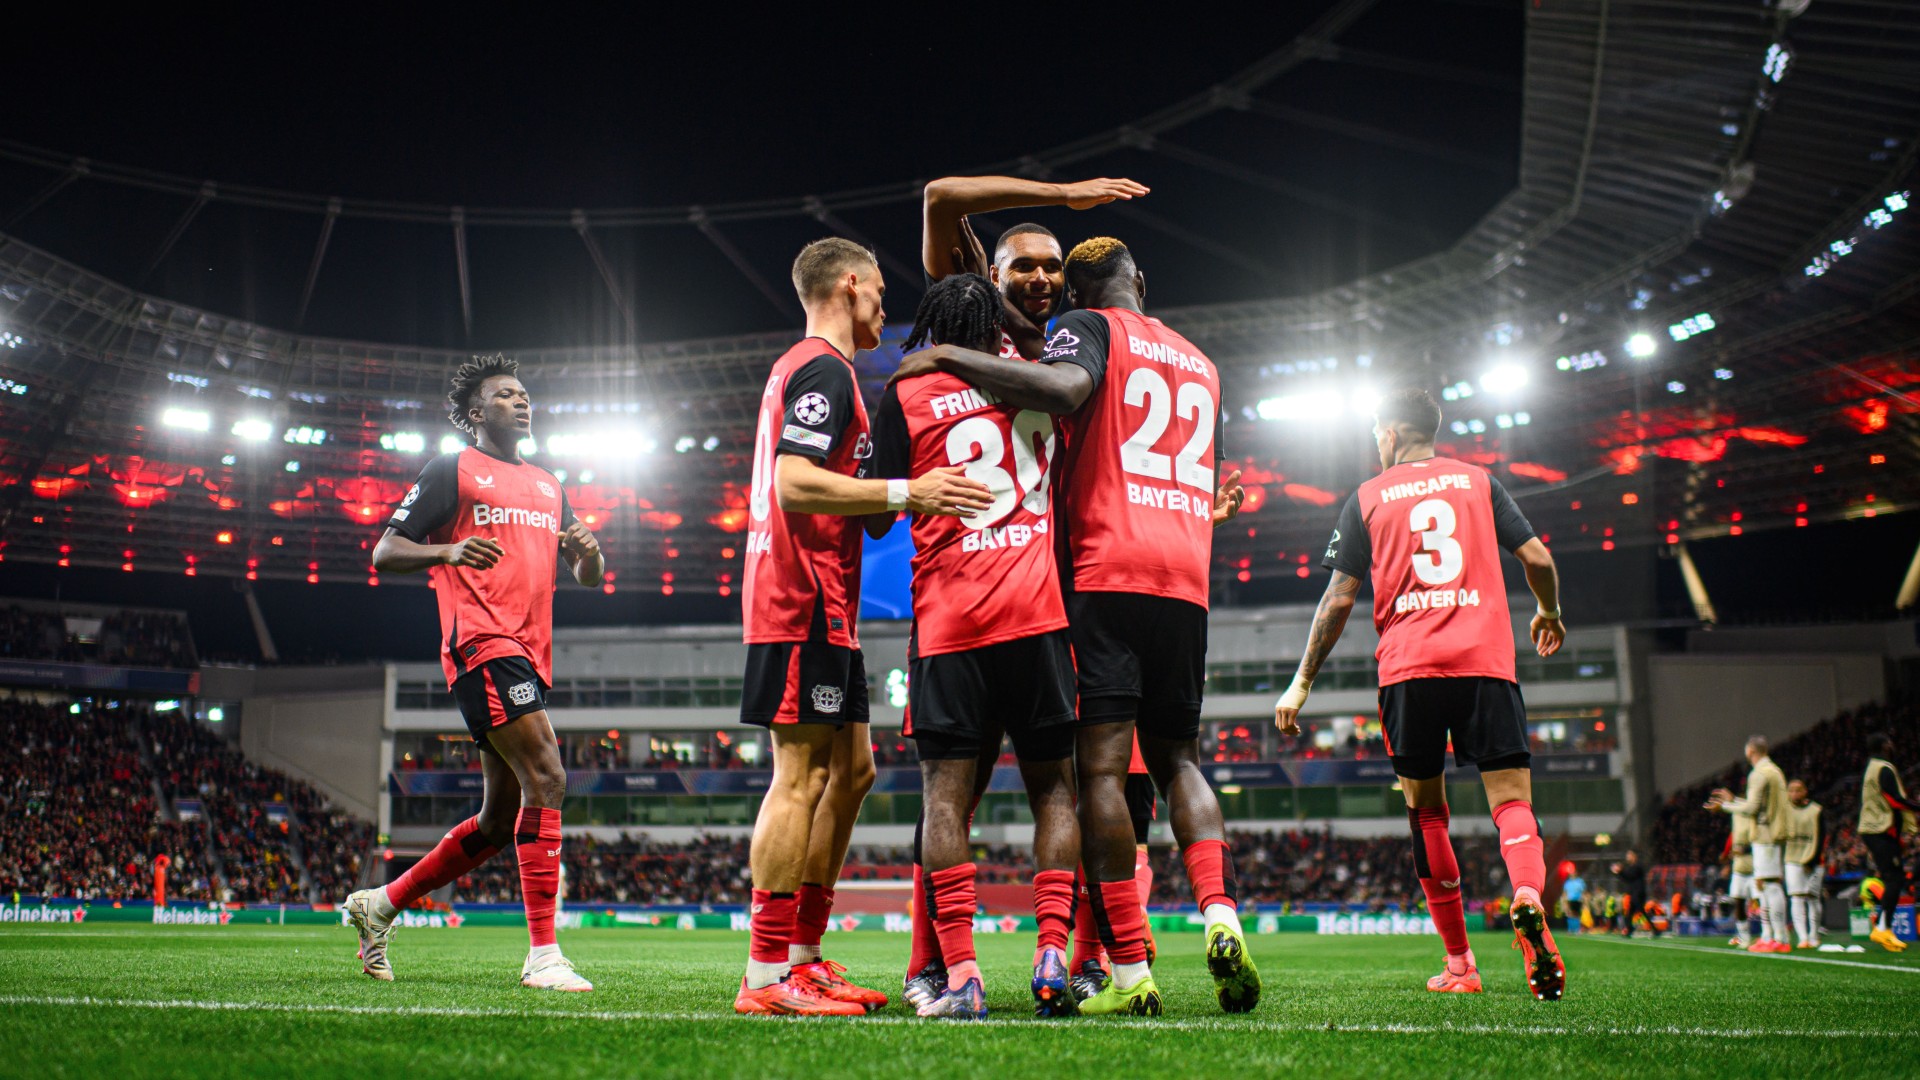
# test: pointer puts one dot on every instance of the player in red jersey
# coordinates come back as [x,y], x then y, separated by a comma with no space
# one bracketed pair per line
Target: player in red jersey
[1427,532]
[806,680]
[1140,504]
[1029,272]
[483,523]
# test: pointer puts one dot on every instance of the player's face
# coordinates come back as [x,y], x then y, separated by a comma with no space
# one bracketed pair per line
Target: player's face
[1031,273]
[1797,791]
[503,405]
[869,308]
[1383,442]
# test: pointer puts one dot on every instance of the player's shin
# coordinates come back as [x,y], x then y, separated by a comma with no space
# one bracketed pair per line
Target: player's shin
[1215,888]
[537,842]
[457,854]
[1520,845]
[1086,934]
[770,931]
[1439,873]
[954,904]
[1053,907]
[813,907]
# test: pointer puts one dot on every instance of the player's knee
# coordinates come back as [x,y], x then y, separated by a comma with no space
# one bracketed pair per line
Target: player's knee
[496,825]
[852,783]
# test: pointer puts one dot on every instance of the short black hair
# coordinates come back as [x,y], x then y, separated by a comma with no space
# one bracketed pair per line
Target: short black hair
[1879,744]
[960,309]
[466,384]
[1097,261]
[1412,406]
[1025,228]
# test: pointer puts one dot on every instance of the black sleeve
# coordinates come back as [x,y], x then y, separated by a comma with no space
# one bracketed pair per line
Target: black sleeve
[1819,840]
[1887,784]
[1510,526]
[892,448]
[1220,431]
[1080,337]
[431,503]
[567,516]
[1351,549]
[819,406]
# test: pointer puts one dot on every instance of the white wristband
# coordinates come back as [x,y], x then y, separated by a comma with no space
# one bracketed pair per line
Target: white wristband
[896,494]
[1545,614]
[1296,695]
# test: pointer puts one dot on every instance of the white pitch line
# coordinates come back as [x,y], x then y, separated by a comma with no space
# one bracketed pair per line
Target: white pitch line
[1677,947]
[1213,1025]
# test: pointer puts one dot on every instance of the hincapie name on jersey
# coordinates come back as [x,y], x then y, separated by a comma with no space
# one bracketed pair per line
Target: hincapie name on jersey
[1430,599]
[514,515]
[1433,486]
[1161,353]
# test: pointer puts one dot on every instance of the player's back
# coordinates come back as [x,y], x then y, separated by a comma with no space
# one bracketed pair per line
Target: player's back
[988,577]
[1137,473]
[1770,821]
[1439,599]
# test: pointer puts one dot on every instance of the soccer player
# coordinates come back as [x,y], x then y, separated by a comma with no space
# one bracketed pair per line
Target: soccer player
[1428,532]
[1887,819]
[1142,425]
[1740,879]
[483,523]
[806,680]
[989,650]
[1766,800]
[1805,845]
[1028,271]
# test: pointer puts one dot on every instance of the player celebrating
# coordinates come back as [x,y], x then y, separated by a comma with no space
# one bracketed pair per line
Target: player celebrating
[1138,473]
[806,680]
[1428,532]
[989,644]
[1805,845]
[1887,819]
[1766,800]
[482,523]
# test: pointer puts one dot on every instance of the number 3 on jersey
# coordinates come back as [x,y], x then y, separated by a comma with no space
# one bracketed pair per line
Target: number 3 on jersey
[977,443]
[1147,389]
[1439,559]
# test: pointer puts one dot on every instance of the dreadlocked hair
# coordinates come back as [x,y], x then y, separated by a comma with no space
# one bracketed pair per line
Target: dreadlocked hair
[963,310]
[466,383]
[1097,260]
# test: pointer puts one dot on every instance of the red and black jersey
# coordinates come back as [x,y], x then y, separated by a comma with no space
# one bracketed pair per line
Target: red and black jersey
[990,577]
[802,580]
[1429,534]
[1137,472]
[508,610]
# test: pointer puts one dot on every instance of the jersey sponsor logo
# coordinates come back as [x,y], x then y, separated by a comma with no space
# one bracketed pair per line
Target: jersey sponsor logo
[1006,536]
[863,447]
[963,401]
[1061,343]
[401,515]
[412,494]
[794,433]
[1161,353]
[1168,499]
[827,699]
[522,693]
[514,515]
[1461,481]
[1433,599]
[545,488]
[1333,545]
[812,409]
[483,481]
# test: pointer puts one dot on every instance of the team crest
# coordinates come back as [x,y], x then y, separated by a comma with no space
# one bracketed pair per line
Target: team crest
[812,409]
[827,699]
[522,693]
[545,488]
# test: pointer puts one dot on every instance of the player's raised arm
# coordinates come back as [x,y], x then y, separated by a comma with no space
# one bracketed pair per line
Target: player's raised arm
[804,487]
[1329,620]
[947,202]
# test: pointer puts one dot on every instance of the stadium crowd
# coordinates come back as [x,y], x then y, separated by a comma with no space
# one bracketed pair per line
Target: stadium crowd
[82,812]
[134,638]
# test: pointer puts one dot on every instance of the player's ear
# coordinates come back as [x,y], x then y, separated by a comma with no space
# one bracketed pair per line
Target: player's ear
[1140,286]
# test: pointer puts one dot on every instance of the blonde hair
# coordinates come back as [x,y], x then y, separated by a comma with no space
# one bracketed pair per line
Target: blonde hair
[820,265]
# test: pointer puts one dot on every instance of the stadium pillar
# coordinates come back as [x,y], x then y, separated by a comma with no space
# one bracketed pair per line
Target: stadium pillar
[259,618]
[1697,589]
[1909,594]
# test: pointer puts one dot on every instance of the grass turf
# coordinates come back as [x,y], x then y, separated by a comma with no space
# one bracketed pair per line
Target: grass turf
[253,1001]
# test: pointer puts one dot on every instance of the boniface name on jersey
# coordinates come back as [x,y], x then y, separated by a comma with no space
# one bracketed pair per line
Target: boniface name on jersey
[514,515]
[1161,353]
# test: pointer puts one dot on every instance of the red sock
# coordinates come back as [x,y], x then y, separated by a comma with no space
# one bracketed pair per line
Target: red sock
[1086,935]
[1439,875]
[1143,881]
[1121,919]
[455,856]
[953,907]
[771,927]
[925,948]
[1210,871]
[1053,907]
[813,905]
[536,838]
[1520,844]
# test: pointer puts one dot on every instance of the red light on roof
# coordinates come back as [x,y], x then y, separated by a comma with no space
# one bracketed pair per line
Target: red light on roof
[607,588]
[64,562]
[127,566]
[1736,515]
[253,575]
[1800,509]
[1799,523]
[1735,531]
[1818,469]
[1606,545]
[1630,499]
[373,579]
[66,549]
[726,590]
[193,572]
[727,553]
[1877,459]
[1302,572]
[1599,725]
[666,590]
[1575,505]
[313,579]
[1673,538]
[1307,493]
[1870,512]
[1245,575]
[276,541]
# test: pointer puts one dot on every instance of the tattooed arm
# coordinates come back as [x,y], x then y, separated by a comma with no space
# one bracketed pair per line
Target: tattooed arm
[1328,621]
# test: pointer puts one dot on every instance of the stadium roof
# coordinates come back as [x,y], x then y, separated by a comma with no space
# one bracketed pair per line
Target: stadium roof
[1678,160]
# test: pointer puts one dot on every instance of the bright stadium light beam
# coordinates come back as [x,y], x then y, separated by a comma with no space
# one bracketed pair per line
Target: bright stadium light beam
[1313,405]
[1641,346]
[253,430]
[190,419]
[613,443]
[452,444]
[1364,401]
[1504,379]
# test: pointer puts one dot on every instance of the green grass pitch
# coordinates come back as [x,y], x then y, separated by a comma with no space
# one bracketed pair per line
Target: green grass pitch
[290,1001]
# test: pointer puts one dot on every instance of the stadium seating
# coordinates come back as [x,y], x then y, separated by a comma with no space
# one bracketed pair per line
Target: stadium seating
[132,638]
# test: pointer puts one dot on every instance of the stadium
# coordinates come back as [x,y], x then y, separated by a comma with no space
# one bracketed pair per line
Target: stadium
[1654,262]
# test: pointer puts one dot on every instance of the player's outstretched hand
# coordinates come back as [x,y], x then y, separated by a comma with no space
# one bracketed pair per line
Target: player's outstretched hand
[1548,634]
[579,542]
[1719,798]
[918,363]
[1091,193]
[971,256]
[948,492]
[1228,499]
[475,553]
[1287,720]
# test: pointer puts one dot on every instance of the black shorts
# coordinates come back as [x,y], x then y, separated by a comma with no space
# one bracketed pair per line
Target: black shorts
[811,682]
[1484,717]
[1140,658]
[1140,804]
[497,691]
[958,701]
